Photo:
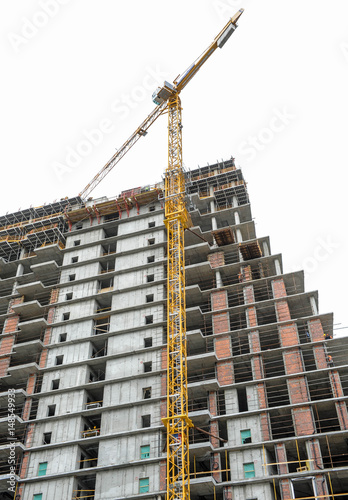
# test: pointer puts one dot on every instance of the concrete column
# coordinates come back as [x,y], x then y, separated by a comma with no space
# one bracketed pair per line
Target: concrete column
[218,279]
[236,218]
[314,305]
[265,249]
[277,267]
[239,235]
[20,270]
[212,206]
[234,201]
[213,224]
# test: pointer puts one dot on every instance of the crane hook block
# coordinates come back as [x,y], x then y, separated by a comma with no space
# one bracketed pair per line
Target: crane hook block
[162,94]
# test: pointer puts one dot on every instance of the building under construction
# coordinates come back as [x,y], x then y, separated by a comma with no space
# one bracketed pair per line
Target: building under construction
[83,354]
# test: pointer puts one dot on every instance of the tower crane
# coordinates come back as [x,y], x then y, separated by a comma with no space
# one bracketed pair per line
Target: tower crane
[177,219]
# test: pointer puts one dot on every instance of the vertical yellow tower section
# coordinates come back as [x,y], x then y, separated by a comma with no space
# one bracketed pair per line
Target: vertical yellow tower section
[176,220]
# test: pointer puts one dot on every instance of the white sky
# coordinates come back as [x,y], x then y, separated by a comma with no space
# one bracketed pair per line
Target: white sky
[93,63]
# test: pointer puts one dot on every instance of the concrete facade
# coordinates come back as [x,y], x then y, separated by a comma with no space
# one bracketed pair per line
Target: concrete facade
[83,352]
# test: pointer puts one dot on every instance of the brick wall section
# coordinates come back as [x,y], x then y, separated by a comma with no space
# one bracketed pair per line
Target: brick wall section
[336,385]
[265,427]
[303,421]
[257,365]
[6,344]
[251,316]
[293,361]
[248,292]
[254,341]
[29,435]
[212,403]
[320,357]
[298,392]
[316,329]
[279,289]
[282,310]
[217,475]
[342,414]
[216,259]
[285,489]
[221,323]
[214,429]
[225,372]
[43,358]
[30,390]
[228,493]
[163,475]
[163,404]
[54,296]
[261,392]
[245,274]
[223,348]
[288,335]
[24,466]
[322,487]
[164,358]
[219,300]
[281,458]
[4,364]
[314,454]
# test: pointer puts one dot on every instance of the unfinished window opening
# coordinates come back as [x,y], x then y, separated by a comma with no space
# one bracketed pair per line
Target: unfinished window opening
[51,410]
[274,366]
[111,217]
[147,392]
[242,399]
[55,384]
[152,208]
[325,416]
[242,371]
[144,451]
[47,437]
[150,278]
[148,342]
[145,421]
[72,277]
[237,322]
[245,436]
[101,325]
[303,488]
[74,260]
[152,224]
[319,387]
[221,401]
[266,315]
[148,366]
[37,496]
[59,360]
[149,319]
[79,225]
[69,296]
[151,241]
[109,249]
[62,337]
[269,339]
[111,231]
[150,259]
[277,393]
[240,344]
[150,297]
[66,316]
[77,243]
[105,285]
[282,424]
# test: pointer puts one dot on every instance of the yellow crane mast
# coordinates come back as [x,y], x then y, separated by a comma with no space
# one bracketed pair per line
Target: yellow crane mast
[177,220]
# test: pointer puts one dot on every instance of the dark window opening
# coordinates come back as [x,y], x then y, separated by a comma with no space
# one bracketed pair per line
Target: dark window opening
[148,342]
[150,297]
[72,277]
[77,243]
[59,360]
[152,209]
[147,393]
[149,320]
[152,224]
[47,436]
[66,316]
[69,296]
[51,410]
[74,260]
[55,384]
[148,366]
[150,278]
[242,399]
[150,259]
[62,337]
[151,241]
[145,421]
